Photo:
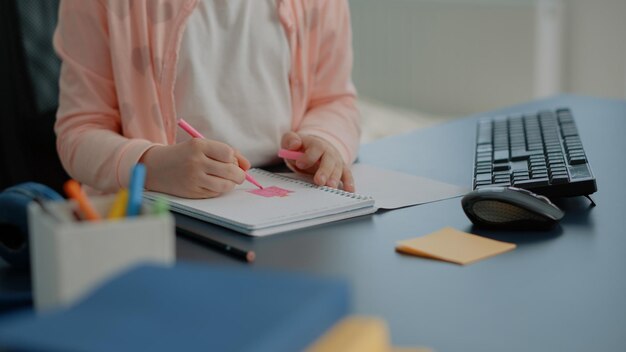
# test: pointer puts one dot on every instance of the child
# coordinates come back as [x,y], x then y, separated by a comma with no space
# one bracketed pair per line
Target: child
[251,75]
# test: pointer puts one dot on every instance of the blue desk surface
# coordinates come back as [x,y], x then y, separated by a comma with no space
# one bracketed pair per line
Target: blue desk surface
[559,290]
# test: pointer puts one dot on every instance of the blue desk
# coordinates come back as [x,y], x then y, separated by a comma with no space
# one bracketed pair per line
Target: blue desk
[563,290]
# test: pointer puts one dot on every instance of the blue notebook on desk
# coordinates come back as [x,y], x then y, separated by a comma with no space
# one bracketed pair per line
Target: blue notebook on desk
[188,308]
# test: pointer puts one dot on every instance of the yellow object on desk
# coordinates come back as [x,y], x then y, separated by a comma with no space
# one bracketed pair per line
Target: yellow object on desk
[359,334]
[454,246]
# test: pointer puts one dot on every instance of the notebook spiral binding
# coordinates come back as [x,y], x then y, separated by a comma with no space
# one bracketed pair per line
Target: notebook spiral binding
[310,185]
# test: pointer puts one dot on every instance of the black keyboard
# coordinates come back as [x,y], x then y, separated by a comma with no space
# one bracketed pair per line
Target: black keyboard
[540,152]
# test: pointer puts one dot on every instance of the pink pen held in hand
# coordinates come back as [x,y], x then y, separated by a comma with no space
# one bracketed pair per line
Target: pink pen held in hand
[195,134]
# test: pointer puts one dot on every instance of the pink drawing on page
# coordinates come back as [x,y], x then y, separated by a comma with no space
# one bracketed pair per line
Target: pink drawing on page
[270,192]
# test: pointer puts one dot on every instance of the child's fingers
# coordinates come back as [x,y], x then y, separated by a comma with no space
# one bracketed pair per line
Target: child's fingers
[347,180]
[291,141]
[333,180]
[215,150]
[217,184]
[312,154]
[201,193]
[242,161]
[325,170]
[227,171]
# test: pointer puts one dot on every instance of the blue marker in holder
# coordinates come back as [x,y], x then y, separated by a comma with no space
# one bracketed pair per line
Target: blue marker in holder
[135,190]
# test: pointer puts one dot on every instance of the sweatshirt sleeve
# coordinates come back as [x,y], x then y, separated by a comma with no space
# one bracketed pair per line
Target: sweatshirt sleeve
[332,113]
[90,143]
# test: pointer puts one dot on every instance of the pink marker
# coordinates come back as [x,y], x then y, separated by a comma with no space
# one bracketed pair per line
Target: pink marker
[189,129]
[195,134]
[289,154]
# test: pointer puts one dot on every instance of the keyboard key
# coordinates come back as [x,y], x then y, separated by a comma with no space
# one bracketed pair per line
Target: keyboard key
[556,162]
[485,148]
[537,163]
[576,153]
[555,149]
[578,160]
[540,157]
[531,183]
[559,179]
[501,179]
[558,171]
[483,177]
[517,155]
[501,167]
[520,177]
[501,155]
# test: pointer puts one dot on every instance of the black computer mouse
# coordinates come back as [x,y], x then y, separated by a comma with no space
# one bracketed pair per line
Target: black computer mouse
[510,208]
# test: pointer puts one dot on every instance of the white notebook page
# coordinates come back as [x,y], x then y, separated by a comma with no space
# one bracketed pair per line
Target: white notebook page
[245,208]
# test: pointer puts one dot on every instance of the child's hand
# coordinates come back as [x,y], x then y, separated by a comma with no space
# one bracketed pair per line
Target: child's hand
[197,168]
[320,159]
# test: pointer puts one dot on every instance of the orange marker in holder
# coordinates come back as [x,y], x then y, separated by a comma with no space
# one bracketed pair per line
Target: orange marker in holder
[74,191]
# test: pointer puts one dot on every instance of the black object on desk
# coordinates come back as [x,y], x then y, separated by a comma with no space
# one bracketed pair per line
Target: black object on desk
[242,254]
[541,152]
[510,208]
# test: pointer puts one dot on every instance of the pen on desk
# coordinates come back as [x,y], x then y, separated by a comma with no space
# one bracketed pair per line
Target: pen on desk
[118,210]
[244,255]
[289,154]
[135,190]
[74,191]
[195,134]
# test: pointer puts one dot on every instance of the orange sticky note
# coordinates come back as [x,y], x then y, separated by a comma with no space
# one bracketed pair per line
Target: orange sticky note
[454,246]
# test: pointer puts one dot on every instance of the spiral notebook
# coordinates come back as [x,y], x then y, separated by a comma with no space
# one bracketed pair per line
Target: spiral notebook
[284,204]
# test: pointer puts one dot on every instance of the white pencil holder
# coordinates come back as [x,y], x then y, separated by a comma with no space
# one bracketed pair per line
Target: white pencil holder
[69,258]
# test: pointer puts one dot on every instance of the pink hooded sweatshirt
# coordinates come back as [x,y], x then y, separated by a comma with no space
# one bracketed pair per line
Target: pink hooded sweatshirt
[119,69]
